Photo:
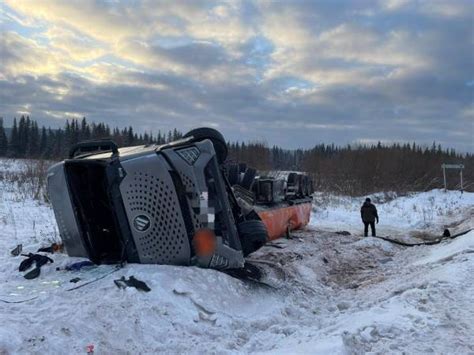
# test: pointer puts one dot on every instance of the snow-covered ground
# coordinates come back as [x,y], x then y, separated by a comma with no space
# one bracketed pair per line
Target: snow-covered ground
[415,214]
[339,294]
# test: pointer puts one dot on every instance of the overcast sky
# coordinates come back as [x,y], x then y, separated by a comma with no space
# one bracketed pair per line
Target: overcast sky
[291,73]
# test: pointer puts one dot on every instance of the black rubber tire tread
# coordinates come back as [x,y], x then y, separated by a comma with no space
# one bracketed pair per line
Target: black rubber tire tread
[305,186]
[249,178]
[214,136]
[253,235]
[300,192]
[233,174]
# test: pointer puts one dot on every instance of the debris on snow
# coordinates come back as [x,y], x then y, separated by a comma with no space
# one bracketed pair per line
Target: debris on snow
[339,294]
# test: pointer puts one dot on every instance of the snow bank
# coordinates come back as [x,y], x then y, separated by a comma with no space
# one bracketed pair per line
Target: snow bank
[430,210]
[340,294]
[449,249]
[371,242]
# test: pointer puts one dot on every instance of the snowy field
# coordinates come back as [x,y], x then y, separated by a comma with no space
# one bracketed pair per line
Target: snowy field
[411,215]
[338,294]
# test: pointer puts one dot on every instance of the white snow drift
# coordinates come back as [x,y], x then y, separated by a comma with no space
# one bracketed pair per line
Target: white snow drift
[339,294]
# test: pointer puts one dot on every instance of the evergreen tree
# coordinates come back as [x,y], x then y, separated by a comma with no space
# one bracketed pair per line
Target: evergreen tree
[85,133]
[27,134]
[51,144]
[14,140]
[3,140]
[22,138]
[59,146]
[353,169]
[68,142]
[33,143]
[130,136]
[75,133]
[176,134]
[43,145]
[159,138]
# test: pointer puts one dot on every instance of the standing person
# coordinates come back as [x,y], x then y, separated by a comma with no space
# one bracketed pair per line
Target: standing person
[369,215]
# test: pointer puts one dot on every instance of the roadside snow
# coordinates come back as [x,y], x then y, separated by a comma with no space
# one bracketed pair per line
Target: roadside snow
[429,211]
[339,295]
[449,250]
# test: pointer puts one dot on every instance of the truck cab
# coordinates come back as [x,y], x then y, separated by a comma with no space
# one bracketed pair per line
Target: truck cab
[162,204]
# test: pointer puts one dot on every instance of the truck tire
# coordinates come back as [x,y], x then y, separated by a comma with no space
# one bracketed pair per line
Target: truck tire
[248,179]
[253,235]
[217,139]
[233,174]
[305,186]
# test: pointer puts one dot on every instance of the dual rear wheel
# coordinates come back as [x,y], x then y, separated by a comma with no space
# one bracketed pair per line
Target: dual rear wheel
[252,233]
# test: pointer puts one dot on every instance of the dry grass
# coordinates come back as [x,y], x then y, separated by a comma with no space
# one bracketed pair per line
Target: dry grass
[27,177]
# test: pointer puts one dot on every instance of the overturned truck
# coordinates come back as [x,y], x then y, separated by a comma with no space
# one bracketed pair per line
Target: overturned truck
[177,203]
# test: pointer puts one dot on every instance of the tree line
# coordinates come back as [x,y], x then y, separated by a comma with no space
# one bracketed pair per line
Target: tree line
[27,140]
[364,169]
[353,170]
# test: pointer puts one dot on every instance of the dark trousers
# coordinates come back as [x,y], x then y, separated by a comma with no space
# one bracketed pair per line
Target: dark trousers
[366,228]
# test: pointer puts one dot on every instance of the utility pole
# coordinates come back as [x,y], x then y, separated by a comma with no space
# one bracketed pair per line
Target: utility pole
[444,177]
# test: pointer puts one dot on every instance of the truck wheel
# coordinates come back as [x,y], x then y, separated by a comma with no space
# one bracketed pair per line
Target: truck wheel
[253,235]
[233,174]
[305,186]
[217,139]
[248,179]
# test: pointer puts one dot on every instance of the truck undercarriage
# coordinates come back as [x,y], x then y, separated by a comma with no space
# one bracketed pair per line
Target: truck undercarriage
[177,203]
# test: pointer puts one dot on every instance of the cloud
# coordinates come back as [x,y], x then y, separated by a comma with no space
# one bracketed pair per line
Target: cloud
[291,73]
[74,45]
[20,55]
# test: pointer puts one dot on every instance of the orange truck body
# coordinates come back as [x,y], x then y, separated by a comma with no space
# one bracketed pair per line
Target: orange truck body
[280,220]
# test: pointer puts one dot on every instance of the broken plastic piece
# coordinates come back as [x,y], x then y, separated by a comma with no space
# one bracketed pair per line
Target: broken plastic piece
[33,274]
[132,282]
[17,250]
[79,265]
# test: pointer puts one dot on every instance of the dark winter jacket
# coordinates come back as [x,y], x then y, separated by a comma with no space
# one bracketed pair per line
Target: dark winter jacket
[368,212]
